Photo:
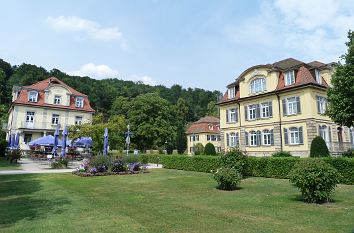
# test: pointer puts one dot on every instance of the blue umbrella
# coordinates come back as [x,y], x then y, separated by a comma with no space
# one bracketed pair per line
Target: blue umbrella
[9,142]
[17,141]
[105,142]
[63,142]
[55,143]
[82,142]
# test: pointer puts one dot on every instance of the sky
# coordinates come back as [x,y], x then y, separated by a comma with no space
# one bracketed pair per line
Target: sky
[193,43]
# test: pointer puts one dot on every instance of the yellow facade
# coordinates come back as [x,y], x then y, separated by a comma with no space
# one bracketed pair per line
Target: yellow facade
[294,119]
[203,139]
[41,122]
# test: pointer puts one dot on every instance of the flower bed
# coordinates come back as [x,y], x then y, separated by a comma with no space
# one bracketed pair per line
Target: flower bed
[109,173]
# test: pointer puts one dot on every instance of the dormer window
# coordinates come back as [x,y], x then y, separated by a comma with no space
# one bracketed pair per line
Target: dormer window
[32,96]
[318,76]
[57,99]
[231,93]
[79,102]
[258,85]
[211,127]
[289,77]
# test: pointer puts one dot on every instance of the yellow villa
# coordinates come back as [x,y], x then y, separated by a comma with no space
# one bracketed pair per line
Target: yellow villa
[280,106]
[37,109]
[205,130]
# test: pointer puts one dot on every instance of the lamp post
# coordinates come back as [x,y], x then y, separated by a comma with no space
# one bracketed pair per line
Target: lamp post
[166,146]
[128,135]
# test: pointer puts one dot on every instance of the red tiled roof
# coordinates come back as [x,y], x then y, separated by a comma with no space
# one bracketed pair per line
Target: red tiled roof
[202,126]
[41,86]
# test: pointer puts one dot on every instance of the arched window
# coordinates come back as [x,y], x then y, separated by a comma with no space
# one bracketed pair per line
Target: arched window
[266,137]
[258,85]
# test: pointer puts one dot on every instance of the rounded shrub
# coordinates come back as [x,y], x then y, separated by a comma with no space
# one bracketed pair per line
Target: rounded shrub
[227,178]
[319,148]
[209,149]
[198,149]
[118,166]
[315,179]
[281,154]
[234,158]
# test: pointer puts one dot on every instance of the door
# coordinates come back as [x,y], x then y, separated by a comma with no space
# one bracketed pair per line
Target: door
[30,120]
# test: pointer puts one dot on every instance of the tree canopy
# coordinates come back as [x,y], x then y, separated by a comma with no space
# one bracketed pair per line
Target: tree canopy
[341,93]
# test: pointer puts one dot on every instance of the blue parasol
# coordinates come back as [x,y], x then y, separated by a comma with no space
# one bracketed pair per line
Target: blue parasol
[63,143]
[105,142]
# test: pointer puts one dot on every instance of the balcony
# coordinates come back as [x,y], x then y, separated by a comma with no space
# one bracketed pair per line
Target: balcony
[38,125]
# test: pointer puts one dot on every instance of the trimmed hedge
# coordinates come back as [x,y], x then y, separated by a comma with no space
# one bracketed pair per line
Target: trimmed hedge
[191,163]
[272,167]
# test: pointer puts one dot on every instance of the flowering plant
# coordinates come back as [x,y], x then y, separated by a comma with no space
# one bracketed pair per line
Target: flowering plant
[227,178]
[93,170]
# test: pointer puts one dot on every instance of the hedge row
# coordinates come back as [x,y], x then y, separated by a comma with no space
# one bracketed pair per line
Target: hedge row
[198,163]
[272,167]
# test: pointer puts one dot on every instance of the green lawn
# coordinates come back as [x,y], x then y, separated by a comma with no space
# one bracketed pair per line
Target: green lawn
[6,165]
[164,201]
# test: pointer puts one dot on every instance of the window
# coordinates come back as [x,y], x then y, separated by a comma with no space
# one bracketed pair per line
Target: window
[78,120]
[258,85]
[79,102]
[231,93]
[27,138]
[212,137]
[30,117]
[321,104]
[291,106]
[323,132]
[266,109]
[57,99]
[194,138]
[289,77]
[294,135]
[318,76]
[32,96]
[252,112]
[232,139]
[267,137]
[211,127]
[253,138]
[231,115]
[55,119]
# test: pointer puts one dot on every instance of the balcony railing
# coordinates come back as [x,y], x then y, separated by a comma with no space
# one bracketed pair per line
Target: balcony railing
[37,125]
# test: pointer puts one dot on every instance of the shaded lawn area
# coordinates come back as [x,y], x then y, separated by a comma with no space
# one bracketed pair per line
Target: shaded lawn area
[164,201]
[6,165]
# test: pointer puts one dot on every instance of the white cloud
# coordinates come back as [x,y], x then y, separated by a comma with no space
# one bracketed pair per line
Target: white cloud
[90,28]
[96,71]
[144,79]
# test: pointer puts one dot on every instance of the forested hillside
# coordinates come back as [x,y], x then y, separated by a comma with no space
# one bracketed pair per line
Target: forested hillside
[114,97]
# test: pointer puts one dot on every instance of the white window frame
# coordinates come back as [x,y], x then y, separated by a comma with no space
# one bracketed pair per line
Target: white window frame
[294,136]
[322,101]
[258,85]
[79,102]
[323,132]
[55,119]
[291,106]
[231,93]
[289,77]
[266,136]
[78,121]
[253,138]
[318,76]
[30,117]
[32,96]
[57,99]
[252,111]
[233,142]
[232,115]
[265,110]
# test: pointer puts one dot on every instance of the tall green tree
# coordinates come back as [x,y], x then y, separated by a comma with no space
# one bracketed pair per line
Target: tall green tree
[341,94]
[151,121]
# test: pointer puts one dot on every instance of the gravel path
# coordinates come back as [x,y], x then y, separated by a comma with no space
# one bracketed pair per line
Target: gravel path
[29,166]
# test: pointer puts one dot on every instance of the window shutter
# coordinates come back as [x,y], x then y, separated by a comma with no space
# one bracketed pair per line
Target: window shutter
[329,134]
[298,105]
[259,138]
[246,113]
[237,139]
[227,139]
[270,109]
[319,130]
[236,112]
[246,138]
[258,111]
[285,112]
[286,139]
[318,104]
[227,116]
[272,137]
[301,137]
